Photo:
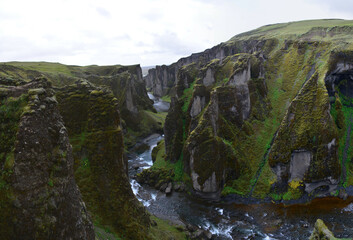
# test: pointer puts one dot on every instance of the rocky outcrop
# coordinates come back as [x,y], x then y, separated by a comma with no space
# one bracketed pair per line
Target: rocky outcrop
[339,78]
[211,104]
[321,232]
[39,198]
[162,79]
[93,122]
[125,82]
[173,130]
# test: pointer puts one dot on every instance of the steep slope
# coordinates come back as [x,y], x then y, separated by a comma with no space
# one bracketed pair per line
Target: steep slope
[93,122]
[39,198]
[265,114]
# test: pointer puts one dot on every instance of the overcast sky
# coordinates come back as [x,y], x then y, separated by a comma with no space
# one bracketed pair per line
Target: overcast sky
[149,32]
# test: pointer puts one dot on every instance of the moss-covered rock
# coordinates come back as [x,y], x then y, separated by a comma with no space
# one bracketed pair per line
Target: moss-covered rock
[286,111]
[321,232]
[125,82]
[209,111]
[156,149]
[305,147]
[93,121]
[173,130]
[39,198]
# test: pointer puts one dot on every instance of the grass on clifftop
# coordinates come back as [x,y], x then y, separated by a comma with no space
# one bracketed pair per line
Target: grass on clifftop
[46,67]
[293,30]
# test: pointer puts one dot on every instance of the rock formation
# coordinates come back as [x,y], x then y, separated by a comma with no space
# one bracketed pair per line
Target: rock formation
[93,121]
[39,198]
[266,114]
[321,232]
[125,82]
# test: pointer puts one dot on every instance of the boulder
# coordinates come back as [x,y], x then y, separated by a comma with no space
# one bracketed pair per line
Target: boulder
[321,232]
[169,188]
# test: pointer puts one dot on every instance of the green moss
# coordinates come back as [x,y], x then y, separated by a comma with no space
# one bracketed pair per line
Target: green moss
[166,230]
[295,191]
[50,183]
[102,233]
[176,169]
[187,95]
[321,232]
[166,98]
[158,152]
[158,118]
[9,162]
[11,110]
[229,190]
[275,196]
[342,105]
[93,123]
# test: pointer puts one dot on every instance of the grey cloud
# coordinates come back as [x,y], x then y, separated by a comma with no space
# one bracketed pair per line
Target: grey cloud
[20,48]
[343,6]
[103,12]
[170,42]
[125,37]
[153,15]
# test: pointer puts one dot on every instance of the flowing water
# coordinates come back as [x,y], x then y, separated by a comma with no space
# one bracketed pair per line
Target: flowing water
[160,106]
[241,221]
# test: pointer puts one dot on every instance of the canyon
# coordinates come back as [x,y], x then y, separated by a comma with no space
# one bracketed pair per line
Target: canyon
[262,121]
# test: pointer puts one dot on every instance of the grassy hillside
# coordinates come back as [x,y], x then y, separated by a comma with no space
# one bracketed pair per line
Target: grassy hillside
[320,30]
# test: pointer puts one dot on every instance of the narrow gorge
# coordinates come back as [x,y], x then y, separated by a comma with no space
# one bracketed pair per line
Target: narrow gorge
[250,139]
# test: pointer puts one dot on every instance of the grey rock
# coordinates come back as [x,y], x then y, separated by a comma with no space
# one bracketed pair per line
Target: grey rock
[299,164]
[169,188]
[163,187]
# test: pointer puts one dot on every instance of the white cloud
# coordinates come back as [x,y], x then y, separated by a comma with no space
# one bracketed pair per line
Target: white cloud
[139,31]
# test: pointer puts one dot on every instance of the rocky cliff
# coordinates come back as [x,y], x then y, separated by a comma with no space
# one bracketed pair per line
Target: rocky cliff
[161,79]
[266,114]
[39,198]
[93,121]
[125,82]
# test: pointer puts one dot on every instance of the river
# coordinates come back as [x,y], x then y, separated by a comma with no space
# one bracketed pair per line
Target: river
[235,220]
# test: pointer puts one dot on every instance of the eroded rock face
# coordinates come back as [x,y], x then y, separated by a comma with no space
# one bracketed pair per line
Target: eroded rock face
[299,164]
[305,142]
[218,107]
[128,87]
[93,123]
[198,103]
[39,198]
[173,130]
[209,79]
[339,79]
[207,152]
[284,107]
[162,78]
